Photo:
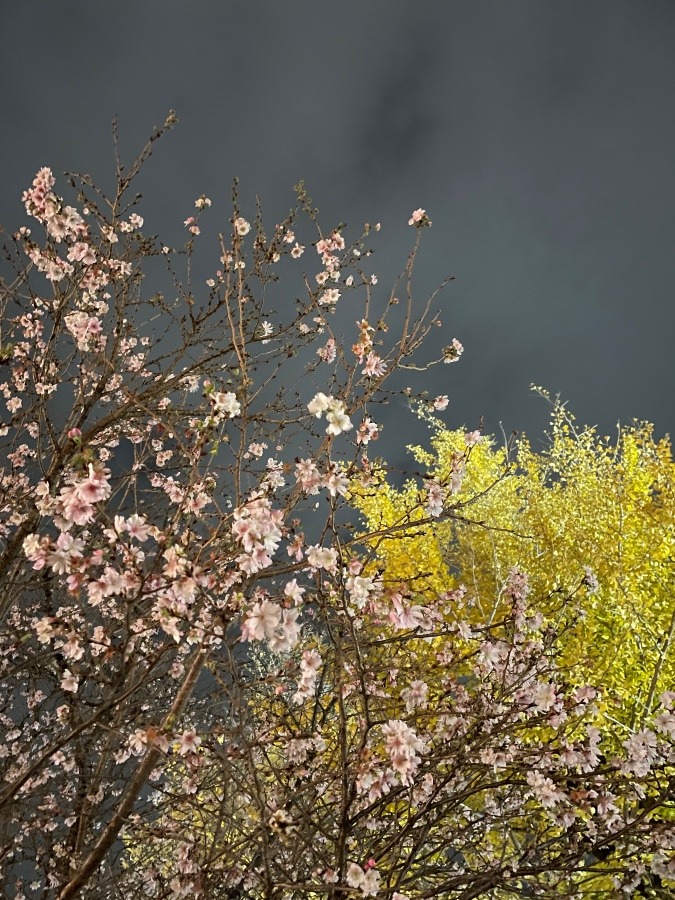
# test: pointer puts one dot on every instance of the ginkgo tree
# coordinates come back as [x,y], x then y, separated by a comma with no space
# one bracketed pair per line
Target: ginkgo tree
[213,685]
[584,505]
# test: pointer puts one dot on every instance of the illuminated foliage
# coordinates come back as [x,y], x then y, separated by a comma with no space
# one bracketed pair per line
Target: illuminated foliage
[585,507]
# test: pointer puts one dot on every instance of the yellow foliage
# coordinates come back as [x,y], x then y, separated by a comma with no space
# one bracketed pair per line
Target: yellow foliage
[584,501]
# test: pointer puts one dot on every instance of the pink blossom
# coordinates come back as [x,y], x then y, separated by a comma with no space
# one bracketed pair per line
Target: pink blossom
[82,252]
[328,352]
[665,723]
[66,553]
[361,588]
[435,499]
[355,875]
[336,481]
[35,199]
[368,431]
[138,527]
[69,682]
[416,695]
[258,527]
[75,510]
[641,753]
[419,218]
[189,742]
[137,742]
[403,745]
[261,621]
[285,635]
[544,789]
[374,367]
[94,487]
[404,617]
[308,476]
[87,330]
[336,416]
[322,557]
[293,591]
[44,628]
[328,245]
[309,670]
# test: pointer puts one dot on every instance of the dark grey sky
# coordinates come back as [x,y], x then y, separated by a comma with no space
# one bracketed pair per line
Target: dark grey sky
[539,135]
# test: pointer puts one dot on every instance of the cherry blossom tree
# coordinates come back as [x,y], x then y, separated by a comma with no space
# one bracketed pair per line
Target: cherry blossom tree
[209,687]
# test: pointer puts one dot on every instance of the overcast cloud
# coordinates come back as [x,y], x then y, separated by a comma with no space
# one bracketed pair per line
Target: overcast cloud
[538,135]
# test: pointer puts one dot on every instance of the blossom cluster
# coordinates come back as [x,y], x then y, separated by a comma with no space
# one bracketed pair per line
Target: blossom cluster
[212,687]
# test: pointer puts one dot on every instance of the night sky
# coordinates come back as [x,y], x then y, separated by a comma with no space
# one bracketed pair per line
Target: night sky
[538,135]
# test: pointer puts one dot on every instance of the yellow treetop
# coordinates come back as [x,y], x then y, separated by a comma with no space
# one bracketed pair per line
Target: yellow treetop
[585,507]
